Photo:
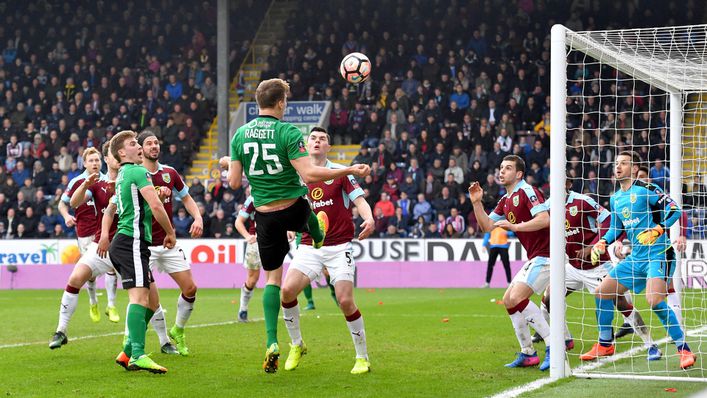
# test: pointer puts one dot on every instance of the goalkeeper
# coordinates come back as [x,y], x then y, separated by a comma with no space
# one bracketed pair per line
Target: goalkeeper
[644,212]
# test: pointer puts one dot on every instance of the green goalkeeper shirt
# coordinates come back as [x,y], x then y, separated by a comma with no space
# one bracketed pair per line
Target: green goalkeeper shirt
[265,146]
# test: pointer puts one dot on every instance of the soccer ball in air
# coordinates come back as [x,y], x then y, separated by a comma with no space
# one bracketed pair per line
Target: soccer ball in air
[355,68]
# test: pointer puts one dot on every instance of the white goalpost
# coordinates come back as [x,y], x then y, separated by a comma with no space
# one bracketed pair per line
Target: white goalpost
[643,90]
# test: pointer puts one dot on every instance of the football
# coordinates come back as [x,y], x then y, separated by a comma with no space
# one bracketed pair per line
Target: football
[355,68]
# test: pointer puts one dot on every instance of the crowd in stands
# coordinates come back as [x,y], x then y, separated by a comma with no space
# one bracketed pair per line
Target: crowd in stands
[72,74]
[455,87]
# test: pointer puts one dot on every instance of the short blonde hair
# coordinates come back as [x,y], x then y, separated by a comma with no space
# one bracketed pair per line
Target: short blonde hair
[90,151]
[118,142]
[270,92]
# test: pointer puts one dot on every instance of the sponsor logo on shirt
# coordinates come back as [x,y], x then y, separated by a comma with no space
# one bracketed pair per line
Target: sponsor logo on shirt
[322,203]
[626,212]
[512,217]
[317,193]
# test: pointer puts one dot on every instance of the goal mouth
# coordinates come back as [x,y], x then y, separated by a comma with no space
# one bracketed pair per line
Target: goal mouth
[641,90]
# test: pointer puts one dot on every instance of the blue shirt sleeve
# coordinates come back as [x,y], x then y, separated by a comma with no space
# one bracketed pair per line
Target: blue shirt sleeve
[615,228]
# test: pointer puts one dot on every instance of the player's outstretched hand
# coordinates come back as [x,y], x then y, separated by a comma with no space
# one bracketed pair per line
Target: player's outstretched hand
[224,162]
[163,193]
[170,240]
[70,221]
[367,228]
[92,179]
[197,228]
[584,253]
[680,244]
[649,236]
[360,170]
[598,249]
[103,245]
[475,192]
[253,238]
[505,224]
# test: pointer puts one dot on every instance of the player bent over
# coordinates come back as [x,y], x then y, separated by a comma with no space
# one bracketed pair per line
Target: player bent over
[644,212]
[137,202]
[335,199]
[272,154]
[90,265]
[86,218]
[521,210]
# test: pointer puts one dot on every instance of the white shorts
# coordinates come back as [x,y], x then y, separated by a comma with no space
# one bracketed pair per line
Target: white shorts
[535,273]
[338,260]
[252,257]
[168,261]
[84,243]
[98,265]
[578,279]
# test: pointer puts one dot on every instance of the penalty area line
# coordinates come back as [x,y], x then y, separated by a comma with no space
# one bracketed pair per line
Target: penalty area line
[98,336]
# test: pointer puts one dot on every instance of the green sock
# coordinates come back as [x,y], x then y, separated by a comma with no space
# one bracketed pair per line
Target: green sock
[308,294]
[137,328]
[271,308]
[148,315]
[314,230]
[128,347]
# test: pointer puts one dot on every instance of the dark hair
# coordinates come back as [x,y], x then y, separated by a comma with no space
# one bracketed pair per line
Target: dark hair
[105,149]
[319,129]
[644,169]
[145,135]
[519,162]
[635,157]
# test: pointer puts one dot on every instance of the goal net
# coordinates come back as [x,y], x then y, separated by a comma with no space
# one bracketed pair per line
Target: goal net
[642,90]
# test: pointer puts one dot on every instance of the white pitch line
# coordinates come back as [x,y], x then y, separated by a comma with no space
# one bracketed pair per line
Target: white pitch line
[97,336]
[534,385]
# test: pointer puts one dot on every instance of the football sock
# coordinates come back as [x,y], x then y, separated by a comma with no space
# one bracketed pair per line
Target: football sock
[271,309]
[111,288]
[69,301]
[91,289]
[675,305]
[185,306]
[669,320]
[358,333]
[532,315]
[160,325]
[605,317]
[246,295]
[313,224]
[633,318]
[308,293]
[290,314]
[520,325]
[546,315]
[137,328]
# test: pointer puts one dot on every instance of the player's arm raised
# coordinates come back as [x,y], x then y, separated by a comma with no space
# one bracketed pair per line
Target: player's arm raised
[106,222]
[476,193]
[311,173]
[81,195]
[364,210]
[158,212]
[669,211]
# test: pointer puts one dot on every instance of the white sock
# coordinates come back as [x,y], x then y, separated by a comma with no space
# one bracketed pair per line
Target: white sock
[676,305]
[634,319]
[69,301]
[291,318]
[245,298]
[520,325]
[546,316]
[158,323]
[358,333]
[111,288]
[185,306]
[535,319]
[91,289]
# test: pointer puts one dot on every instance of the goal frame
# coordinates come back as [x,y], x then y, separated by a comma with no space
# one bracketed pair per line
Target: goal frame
[559,365]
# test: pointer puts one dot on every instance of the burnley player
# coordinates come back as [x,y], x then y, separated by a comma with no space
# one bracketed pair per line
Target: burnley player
[644,212]
[251,262]
[521,210]
[86,221]
[274,157]
[90,265]
[334,197]
[585,222]
[171,260]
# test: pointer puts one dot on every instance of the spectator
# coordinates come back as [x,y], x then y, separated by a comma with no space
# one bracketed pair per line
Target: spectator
[456,220]
[218,225]
[418,230]
[455,171]
[444,204]
[381,221]
[182,222]
[659,174]
[432,232]
[387,207]
[422,208]
[197,190]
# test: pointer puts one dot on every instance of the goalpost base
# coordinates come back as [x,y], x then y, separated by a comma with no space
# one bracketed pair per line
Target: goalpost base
[636,377]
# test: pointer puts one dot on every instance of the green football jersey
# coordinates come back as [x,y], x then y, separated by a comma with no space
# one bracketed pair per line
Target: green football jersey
[265,146]
[134,213]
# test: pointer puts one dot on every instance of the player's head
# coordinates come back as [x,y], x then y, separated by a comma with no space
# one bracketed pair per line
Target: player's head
[92,160]
[125,148]
[512,171]
[112,163]
[627,164]
[318,142]
[150,145]
[272,94]
[642,174]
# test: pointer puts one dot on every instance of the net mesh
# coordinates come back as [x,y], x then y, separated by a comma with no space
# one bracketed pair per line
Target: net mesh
[618,99]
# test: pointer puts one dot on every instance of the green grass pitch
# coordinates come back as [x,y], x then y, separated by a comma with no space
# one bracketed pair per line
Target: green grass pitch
[422,342]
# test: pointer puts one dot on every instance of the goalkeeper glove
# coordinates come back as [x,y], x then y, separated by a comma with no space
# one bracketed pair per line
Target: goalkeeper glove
[649,236]
[598,249]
